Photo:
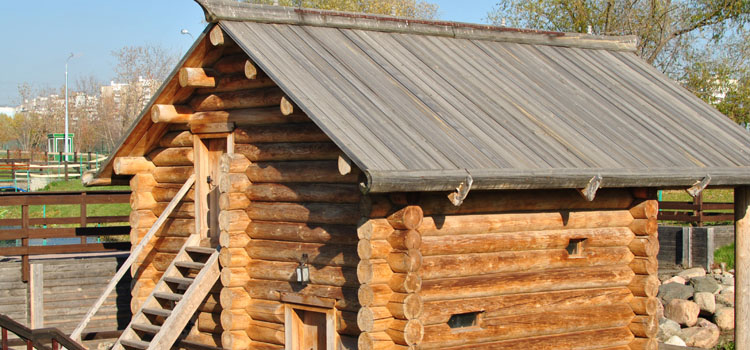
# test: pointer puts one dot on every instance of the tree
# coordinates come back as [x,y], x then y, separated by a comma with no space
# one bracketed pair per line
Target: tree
[403,8]
[700,43]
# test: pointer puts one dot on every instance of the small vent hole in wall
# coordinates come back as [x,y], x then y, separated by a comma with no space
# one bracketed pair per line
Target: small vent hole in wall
[464,320]
[575,247]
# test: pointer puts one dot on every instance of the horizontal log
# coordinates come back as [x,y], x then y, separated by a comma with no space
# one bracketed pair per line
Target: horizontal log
[233,201]
[319,274]
[523,282]
[231,64]
[405,261]
[302,232]
[168,244]
[530,325]
[172,156]
[142,218]
[165,192]
[233,182]
[373,272]
[598,339]
[645,305]
[233,220]
[405,283]
[462,265]
[644,344]
[207,338]
[142,182]
[645,209]
[407,333]
[217,38]
[234,298]
[237,82]
[197,77]
[265,97]
[287,133]
[374,294]
[266,310]
[209,322]
[644,246]
[132,165]
[233,239]
[234,257]
[234,319]
[375,229]
[317,253]
[346,298]
[367,249]
[377,341]
[334,193]
[171,114]
[308,151]
[233,163]
[323,213]
[407,218]
[247,117]
[440,311]
[405,239]
[234,277]
[176,139]
[172,174]
[256,345]
[524,240]
[644,286]
[142,200]
[177,228]
[405,306]
[183,210]
[267,332]
[235,339]
[217,130]
[479,224]
[527,200]
[645,227]
[373,319]
[299,171]
[645,266]
[644,326]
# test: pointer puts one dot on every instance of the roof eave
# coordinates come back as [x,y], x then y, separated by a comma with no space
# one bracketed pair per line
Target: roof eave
[484,179]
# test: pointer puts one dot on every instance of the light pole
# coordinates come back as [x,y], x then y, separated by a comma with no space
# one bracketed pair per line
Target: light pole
[187,32]
[67,145]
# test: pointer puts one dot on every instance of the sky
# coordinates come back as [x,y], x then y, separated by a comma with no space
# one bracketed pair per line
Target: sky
[38,36]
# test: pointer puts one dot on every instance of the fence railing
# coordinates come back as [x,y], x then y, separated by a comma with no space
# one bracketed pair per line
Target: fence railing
[18,168]
[697,213]
[35,338]
[26,227]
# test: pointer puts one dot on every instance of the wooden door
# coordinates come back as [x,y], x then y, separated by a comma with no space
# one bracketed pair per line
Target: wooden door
[309,328]
[207,152]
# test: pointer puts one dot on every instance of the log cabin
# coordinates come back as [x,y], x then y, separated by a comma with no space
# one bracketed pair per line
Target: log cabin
[310,179]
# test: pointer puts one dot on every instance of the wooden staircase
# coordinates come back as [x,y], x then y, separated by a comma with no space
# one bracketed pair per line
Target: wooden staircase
[175,298]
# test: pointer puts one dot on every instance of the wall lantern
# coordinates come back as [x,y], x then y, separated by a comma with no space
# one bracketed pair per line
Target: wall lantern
[303,271]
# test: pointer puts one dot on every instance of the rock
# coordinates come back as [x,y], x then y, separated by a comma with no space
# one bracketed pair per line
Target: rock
[706,301]
[702,322]
[692,273]
[682,311]
[675,340]
[674,279]
[726,297]
[716,271]
[727,280]
[701,337]
[705,284]
[670,291]
[667,329]
[724,318]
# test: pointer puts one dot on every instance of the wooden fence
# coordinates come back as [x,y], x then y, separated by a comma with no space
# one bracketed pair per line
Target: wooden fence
[696,213]
[26,227]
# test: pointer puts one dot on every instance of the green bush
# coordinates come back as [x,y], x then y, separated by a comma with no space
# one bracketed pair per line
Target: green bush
[725,254]
[726,345]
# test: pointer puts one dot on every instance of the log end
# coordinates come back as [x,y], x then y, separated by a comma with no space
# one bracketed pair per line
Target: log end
[216,36]
[251,72]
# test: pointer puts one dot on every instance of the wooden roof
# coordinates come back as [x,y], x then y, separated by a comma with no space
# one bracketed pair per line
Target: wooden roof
[420,105]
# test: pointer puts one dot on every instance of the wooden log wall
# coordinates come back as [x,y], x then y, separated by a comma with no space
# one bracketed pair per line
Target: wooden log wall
[503,256]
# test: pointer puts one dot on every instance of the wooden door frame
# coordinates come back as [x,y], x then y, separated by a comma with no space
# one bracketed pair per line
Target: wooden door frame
[291,321]
[206,153]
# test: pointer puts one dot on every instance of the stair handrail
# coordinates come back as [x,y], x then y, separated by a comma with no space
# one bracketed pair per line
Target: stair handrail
[133,256]
[37,337]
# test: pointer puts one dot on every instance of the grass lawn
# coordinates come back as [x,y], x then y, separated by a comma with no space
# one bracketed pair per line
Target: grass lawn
[709,196]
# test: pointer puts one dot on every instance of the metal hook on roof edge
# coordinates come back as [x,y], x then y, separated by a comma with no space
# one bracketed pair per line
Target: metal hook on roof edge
[457,198]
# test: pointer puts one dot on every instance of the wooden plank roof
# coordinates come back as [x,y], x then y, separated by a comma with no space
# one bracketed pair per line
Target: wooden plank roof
[418,105]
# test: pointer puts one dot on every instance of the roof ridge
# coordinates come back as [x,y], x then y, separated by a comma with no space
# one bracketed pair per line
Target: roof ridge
[227,10]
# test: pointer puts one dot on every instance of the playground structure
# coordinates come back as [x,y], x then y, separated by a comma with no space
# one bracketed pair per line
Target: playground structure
[29,170]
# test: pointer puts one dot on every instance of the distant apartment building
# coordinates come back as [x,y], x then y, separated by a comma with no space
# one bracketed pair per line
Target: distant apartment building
[9,111]
[116,92]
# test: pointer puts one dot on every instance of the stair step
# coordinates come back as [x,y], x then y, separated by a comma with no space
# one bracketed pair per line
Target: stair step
[179,280]
[134,344]
[157,312]
[168,296]
[200,250]
[148,328]
[189,265]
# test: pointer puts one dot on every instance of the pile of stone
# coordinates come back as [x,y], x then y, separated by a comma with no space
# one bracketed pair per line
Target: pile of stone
[698,307]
